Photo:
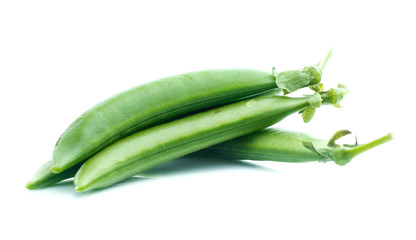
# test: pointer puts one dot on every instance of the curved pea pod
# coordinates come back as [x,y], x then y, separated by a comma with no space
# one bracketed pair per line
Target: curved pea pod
[150,104]
[161,101]
[165,142]
[288,146]
[164,100]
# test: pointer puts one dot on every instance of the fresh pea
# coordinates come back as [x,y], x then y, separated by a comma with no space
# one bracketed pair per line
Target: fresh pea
[288,146]
[161,101]
[156,145]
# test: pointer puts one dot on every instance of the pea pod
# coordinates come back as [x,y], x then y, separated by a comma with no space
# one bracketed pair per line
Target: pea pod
[156,145]
[288,146]
[44,177]
[161,101]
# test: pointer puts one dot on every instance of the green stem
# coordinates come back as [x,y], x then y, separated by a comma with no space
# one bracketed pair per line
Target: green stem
[323,63]
[343,156]
[362,148]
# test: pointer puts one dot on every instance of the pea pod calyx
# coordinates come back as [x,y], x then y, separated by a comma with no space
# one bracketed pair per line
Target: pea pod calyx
[330,97]
[290,81]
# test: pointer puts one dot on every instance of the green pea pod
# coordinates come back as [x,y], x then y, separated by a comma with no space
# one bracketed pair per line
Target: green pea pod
[288,146]
[158,102]
[165,142]
[161,101]
[44,177]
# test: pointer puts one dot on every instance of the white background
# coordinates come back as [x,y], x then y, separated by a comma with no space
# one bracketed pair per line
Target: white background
[59,58]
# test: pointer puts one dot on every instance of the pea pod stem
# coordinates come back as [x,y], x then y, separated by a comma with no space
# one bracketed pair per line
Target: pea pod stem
[365,147]
[342,155]
[322,64]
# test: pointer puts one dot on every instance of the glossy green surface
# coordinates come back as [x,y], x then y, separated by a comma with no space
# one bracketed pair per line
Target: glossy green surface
[268,144]
[151,104]
[44,177]
[158,102]
[151,147]
[288,146]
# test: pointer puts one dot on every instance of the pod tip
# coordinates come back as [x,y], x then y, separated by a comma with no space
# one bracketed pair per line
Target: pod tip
[81,188]
[30,186]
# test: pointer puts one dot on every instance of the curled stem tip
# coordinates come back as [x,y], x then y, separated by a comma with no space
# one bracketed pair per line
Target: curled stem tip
[339,134]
